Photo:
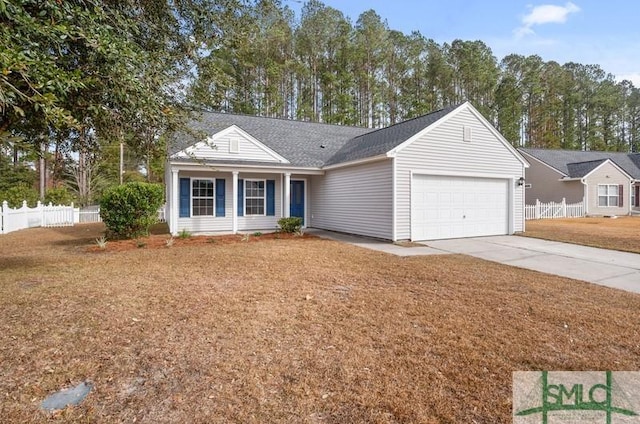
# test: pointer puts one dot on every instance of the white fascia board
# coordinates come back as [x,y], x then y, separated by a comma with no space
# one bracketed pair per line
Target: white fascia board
[393,152]
[191,166]
[212,139]
[614,165]
[465,106]
[357,162]
[462,174]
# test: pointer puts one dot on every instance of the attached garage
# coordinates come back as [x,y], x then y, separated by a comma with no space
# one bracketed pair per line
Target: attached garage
[445,206]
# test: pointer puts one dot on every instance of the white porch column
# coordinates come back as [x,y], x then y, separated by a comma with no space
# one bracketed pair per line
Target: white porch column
[173,213]
[234,209]
[287,195]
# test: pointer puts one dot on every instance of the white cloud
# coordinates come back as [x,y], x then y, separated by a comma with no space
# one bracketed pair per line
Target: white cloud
[633,77]
[545,14]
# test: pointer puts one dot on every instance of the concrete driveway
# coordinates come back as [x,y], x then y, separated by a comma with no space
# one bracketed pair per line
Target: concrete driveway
[600,266]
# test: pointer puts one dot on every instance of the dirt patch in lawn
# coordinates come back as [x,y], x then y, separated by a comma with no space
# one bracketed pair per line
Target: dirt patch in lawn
[290,330]
[622,233]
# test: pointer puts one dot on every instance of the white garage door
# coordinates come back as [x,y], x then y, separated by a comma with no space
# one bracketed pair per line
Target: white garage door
[452,207]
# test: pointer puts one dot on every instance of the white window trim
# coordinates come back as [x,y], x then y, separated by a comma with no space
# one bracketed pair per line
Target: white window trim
[191,180]
[244,197]
[608,196]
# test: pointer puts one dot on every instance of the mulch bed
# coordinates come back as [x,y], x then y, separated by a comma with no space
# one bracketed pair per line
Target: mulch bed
[166,241]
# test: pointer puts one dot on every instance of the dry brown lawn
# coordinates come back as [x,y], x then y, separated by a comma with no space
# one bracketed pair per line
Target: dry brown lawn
[287,331]
[622,233]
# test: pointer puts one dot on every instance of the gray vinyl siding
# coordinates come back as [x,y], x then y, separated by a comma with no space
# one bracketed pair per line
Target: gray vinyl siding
[607,174]
[355,199]
[218,149]
[443,150]
[547,187]
[215,224]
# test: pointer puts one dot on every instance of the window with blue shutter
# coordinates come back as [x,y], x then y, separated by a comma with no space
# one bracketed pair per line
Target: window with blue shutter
[240,197]
[271,197]
[185,198]
[220,185]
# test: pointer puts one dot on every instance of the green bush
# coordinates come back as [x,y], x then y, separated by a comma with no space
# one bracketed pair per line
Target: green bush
[290,225]
[129,210]
[58,196]
[16,194]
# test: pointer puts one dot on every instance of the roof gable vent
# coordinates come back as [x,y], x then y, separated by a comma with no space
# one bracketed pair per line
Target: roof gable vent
[467,133]
[233,145]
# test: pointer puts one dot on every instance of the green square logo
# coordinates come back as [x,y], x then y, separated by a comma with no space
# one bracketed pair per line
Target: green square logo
[562,397]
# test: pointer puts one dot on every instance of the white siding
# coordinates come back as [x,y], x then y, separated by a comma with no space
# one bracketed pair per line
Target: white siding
[213,224]
[217,148]
[209,224]
[167,192]
[246,223]
[442,150]
[356,199]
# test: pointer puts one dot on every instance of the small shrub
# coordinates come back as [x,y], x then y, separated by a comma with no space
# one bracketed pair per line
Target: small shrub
[129,210]
[101,242]
[140,244]
[184,234]
[257,234]
[290,225]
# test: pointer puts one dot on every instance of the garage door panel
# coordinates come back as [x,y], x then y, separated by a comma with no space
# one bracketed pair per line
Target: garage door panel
[455,207]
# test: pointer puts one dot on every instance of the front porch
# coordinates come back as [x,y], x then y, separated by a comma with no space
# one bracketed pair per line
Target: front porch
[219,200]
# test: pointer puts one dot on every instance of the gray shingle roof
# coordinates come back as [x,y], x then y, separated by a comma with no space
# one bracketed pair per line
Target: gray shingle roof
[299,142]
[573,163]
[381,141]
[580,169]
[309,144]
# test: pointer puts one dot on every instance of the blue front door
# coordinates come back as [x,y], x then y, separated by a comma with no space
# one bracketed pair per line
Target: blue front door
[297,199]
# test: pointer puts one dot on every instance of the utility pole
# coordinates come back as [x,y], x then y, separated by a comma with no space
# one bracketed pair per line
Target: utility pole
[121,161]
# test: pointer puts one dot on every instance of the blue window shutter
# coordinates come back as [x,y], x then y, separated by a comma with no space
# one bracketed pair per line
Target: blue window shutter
[220,182]
[185,197]
[240,197]
[271,197]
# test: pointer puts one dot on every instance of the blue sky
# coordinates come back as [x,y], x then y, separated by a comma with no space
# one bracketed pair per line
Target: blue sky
[603,32]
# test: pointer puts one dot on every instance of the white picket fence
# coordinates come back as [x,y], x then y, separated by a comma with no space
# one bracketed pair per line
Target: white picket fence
[552,210]
[92,214]
[14,219]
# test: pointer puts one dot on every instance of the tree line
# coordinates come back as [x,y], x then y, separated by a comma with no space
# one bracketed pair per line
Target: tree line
[80,77]
[323,68]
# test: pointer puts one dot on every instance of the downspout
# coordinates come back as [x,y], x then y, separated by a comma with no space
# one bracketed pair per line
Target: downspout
[585,197]
[394,193]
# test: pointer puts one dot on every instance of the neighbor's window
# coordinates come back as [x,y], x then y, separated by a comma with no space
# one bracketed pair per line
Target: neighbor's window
[254,197]
[608,195]
[202,199]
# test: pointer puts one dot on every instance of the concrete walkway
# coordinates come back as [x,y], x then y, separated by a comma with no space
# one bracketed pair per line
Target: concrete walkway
[610,268]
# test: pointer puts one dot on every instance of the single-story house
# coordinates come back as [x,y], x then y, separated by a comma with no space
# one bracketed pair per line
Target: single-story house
[448,174]
[608,182]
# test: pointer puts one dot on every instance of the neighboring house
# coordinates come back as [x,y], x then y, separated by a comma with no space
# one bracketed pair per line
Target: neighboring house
[609,182]
[447,174]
